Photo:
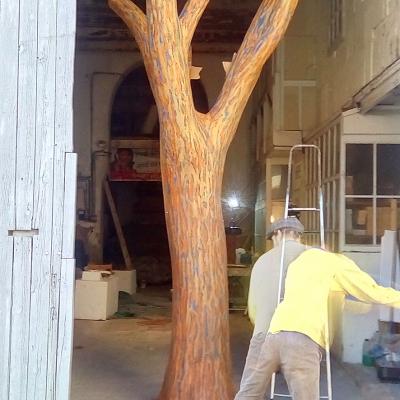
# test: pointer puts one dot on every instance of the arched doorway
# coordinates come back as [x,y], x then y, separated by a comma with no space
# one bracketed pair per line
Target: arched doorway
[139,199]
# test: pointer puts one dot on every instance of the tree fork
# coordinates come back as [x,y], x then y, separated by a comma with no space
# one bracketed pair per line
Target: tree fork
[193,148]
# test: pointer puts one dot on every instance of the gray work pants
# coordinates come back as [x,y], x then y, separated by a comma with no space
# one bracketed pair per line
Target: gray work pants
[294,354]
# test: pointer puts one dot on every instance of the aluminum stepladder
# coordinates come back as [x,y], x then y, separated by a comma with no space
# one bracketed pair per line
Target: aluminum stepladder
[320,210]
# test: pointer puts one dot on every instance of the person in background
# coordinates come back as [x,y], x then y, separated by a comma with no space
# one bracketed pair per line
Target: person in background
[264,280]
[299,326]
[122,166]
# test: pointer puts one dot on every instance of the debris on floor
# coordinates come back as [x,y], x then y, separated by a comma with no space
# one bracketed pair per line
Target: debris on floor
[383,352]
[123,314]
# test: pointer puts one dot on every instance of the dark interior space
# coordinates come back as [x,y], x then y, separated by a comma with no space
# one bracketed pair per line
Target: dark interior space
[139,199]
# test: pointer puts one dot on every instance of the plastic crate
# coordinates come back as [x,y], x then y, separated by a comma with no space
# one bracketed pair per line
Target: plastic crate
[388,371]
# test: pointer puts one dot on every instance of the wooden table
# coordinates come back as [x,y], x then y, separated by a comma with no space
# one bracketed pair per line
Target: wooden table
[239,271]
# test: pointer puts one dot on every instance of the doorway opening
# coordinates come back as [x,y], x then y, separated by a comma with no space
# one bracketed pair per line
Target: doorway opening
[135,135]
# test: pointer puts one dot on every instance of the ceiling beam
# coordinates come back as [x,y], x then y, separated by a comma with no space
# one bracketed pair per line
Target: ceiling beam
[373,93]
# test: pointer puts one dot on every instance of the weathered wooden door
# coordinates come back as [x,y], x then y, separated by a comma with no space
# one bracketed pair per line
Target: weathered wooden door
[37,198]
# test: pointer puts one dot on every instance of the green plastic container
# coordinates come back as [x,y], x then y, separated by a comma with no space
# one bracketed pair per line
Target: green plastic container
[367,358]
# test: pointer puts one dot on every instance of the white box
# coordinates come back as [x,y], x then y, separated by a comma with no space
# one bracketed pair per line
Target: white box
[96,300]
[127,281]
[389,272]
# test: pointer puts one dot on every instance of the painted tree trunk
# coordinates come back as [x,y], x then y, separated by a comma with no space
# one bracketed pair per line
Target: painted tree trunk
[193,150]
[200,337]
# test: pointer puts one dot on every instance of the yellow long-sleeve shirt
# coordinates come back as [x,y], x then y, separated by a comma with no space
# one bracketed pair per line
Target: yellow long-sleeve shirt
[264,282]
[311,279]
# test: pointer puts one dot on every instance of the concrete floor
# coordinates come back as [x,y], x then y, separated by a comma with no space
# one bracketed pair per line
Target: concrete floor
[124,359]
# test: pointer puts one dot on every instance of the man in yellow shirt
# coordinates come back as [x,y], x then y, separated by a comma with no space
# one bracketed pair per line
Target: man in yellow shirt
[264,280]
[297,331]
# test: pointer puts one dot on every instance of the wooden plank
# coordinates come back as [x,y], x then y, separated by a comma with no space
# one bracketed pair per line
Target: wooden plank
[118,227]
[66,307]
[26,113]
[65,56]
[42,277]
[9,22]
[67,282]
[379,93]
[20,318]
[65,330]
[239,271]
[66,17]
[22,268]
[68,244]
[370,95]
[136,143]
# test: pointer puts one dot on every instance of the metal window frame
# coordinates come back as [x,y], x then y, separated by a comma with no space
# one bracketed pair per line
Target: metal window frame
[362,139]
[327,140]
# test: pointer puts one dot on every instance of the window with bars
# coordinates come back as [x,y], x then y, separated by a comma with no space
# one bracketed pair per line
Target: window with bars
[371,191]
[336,23]
[329,143]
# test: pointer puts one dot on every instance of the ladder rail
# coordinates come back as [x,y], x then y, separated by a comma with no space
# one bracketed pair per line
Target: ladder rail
[320,210]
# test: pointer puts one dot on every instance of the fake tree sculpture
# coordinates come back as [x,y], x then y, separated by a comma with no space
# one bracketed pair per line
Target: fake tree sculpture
[193,150]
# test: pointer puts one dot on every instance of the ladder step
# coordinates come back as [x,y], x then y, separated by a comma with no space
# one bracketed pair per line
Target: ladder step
[289,396]
[304,209]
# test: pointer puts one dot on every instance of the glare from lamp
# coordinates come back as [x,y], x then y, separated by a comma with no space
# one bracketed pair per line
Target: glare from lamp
[233,202]
[272,219]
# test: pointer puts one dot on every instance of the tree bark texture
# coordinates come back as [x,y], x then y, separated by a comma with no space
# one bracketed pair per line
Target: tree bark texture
[193,148]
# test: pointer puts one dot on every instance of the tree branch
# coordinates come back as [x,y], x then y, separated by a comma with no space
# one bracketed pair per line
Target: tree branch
[162,12]
[163,27]
[133,17]
[190,17]
[264,34]
[167,64]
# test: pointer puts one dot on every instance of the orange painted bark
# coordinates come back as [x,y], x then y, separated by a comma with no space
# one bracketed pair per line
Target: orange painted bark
[193,150]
